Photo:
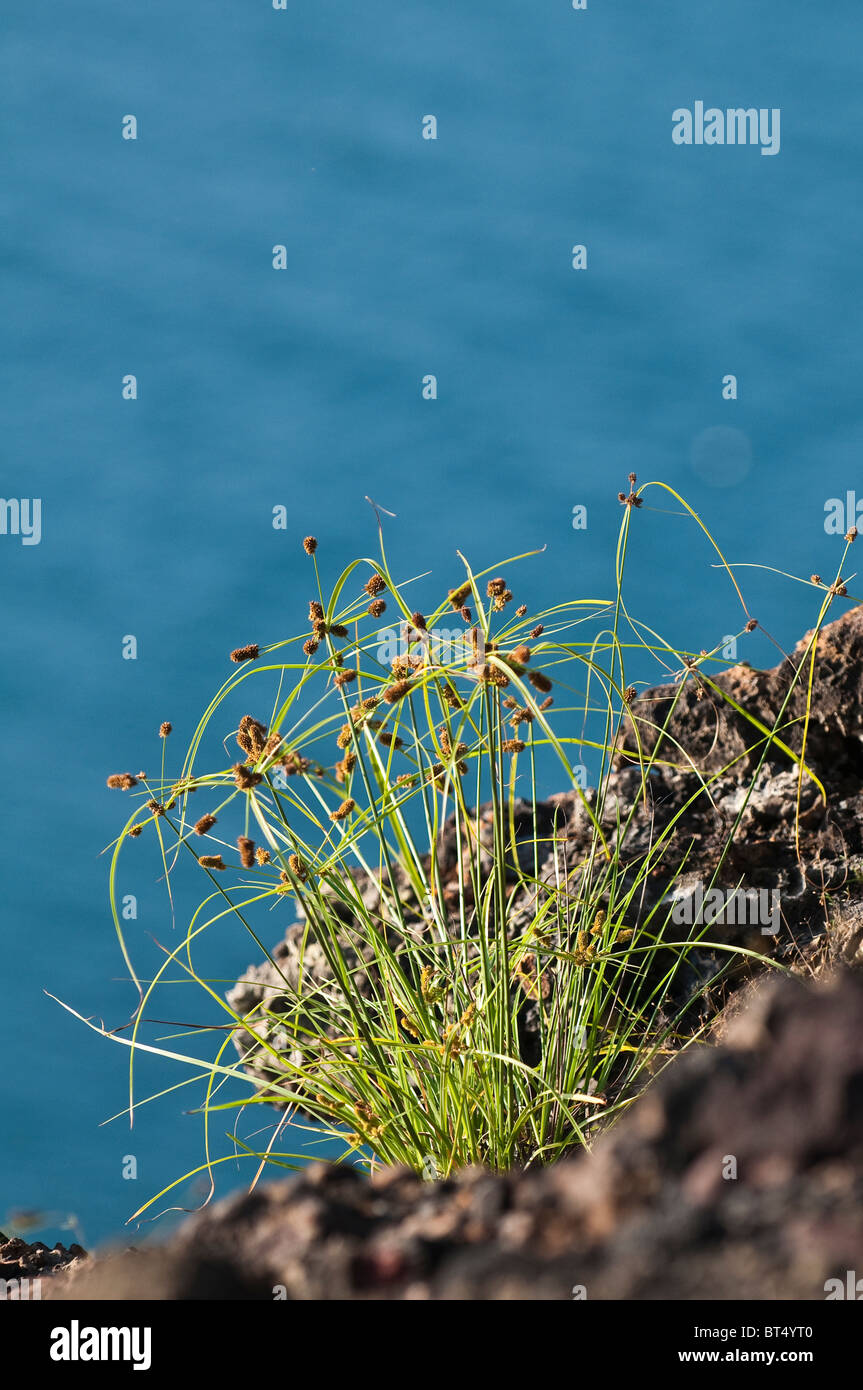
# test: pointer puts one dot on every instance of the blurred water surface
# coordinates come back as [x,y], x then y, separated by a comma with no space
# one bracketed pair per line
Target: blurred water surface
[405,257]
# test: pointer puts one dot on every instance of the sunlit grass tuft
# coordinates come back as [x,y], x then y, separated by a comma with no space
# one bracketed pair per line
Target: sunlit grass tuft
[467,989]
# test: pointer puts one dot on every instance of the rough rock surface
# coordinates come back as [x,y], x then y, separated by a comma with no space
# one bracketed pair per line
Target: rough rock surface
[23,1260]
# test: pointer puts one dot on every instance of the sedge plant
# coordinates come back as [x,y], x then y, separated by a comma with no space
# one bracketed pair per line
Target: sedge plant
[470,983]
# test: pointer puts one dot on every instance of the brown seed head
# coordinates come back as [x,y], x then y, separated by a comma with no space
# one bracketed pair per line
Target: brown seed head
[345,767]
[245,779]
[397,691]
[492,675]
[121,781]
[540,681]
[247,851]
[298,867]
[371,702]
[211,861]
[294,763]
[249,653]
[251,735]
[375,585]
[204,824]
[310,545]
[165,729]
[344,810]
[377,607]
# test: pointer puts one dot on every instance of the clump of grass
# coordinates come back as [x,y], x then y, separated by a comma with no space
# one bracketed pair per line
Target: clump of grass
[491,1010]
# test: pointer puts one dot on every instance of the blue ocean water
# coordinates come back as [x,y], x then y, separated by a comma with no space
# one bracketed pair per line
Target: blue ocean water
[257,388]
